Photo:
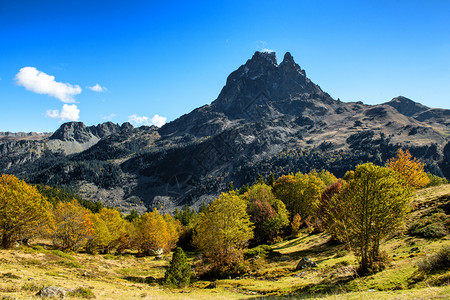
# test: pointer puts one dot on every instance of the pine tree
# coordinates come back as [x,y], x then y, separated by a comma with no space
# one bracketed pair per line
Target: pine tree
[179,271]
[270,180]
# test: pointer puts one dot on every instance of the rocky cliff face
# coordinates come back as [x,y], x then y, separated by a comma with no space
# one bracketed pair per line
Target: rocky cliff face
[269,117]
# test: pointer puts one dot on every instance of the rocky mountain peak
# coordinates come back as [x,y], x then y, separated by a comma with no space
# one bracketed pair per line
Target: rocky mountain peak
[79,132]
[72,131]
[406,106]
[261,75]
[264,58]
[288,64]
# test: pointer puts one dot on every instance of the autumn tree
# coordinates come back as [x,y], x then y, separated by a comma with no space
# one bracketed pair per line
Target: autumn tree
[286,189]
[327,177]
[23,210]
[295,225]
[223,232]
[323,212]
[268,214]
[72,225]
[409,168]
[174,228]
[154,233]
[300,192]
[369,206]
[109,228]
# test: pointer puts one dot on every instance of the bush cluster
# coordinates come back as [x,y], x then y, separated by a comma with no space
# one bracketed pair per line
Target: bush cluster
[439,261]
[429,227]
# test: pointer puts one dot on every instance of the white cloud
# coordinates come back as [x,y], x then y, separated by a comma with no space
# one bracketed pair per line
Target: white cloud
[156,120]
[109,117]
[97,88]
[68,113]
[41,83]
[267,50]
[137,120]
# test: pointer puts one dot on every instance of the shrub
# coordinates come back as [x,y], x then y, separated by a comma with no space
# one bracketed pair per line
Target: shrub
[82,293]
[435,180]
[439,261]
[179,271]
[261,250]
[432,231]
[430,227]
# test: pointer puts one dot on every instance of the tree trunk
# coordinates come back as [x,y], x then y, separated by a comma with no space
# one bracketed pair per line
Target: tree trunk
[7,241]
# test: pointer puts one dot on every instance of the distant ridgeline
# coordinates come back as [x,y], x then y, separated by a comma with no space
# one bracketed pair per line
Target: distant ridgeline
[269,117]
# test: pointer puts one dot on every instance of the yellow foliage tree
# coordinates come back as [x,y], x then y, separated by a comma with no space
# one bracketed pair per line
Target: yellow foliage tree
[73,226]
[23,210]
[410,168]
[223,231]
[154,234]
[174,228]
[300,192]
[101,237]
[115,227]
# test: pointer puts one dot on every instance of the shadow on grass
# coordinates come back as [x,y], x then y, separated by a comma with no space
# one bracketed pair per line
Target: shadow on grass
[320,290]
[291,243]
[320,252]
[147,280]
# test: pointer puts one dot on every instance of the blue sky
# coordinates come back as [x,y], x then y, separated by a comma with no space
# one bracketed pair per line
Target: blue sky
[165,58]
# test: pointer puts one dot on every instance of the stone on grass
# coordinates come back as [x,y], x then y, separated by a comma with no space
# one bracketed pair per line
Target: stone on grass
[53,292]
[305,263]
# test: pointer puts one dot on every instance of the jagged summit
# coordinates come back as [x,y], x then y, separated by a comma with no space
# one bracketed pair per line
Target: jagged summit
[259,90]
[261,75]
[268,56]
[79,132]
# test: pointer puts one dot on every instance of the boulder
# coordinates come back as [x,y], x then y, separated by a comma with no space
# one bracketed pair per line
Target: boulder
[52,292]
[305,263]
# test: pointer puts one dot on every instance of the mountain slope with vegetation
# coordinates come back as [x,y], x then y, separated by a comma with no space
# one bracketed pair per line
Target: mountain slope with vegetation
[411,270]
[269,117]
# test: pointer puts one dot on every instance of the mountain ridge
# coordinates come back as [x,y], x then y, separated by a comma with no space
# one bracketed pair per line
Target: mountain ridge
[268,117]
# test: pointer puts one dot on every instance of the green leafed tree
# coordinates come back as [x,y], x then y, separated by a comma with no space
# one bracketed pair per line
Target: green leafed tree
[223,232]
[268,214]
[371,205]
[179,271]
[300,192]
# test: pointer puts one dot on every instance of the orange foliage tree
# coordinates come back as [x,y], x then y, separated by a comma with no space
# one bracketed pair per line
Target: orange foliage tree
[156,233]
[72,227]
[409,168]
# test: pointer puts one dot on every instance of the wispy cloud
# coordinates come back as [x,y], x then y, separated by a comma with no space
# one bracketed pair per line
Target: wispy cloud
[109,117]
[67,113]
[262,46]
[42,83]
[98,88]
[156,120]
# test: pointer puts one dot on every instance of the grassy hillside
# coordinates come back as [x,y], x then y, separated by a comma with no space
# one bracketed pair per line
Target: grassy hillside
[24,271]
